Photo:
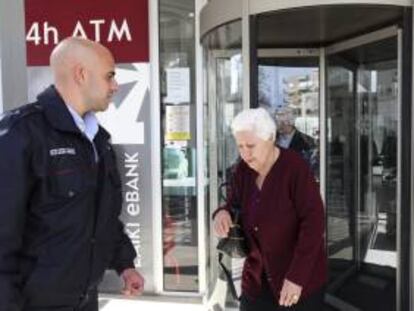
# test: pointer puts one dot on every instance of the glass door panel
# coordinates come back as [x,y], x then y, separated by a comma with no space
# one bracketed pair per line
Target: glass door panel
[223,101]
[178,127]
[288,87]
[340,160]
[362,123]
[229,103]
[378,122]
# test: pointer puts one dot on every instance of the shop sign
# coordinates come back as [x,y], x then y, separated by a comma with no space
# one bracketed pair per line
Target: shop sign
[121,26]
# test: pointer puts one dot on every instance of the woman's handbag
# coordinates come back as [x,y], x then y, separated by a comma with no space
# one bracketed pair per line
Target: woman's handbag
[234,246]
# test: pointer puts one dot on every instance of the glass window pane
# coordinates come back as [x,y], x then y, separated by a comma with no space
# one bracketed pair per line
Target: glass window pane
[290,92]
[362,91]
[178,113]
[223,100]
[340,158]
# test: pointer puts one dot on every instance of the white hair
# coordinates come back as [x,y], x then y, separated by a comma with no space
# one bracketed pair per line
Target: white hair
[256,120]
[285,114]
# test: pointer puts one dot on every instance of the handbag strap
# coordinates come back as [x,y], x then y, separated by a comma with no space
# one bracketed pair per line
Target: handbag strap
[236,211]
[228,277]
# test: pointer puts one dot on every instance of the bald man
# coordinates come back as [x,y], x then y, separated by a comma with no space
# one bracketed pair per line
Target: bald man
[60,190]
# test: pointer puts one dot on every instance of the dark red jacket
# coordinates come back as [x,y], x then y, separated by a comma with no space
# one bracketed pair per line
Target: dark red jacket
[285,226]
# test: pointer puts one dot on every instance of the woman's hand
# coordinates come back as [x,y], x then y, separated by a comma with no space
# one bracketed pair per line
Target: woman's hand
[222,223]
[290,293]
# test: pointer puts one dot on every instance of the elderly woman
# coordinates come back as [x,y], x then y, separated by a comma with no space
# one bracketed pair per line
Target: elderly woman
[283,220]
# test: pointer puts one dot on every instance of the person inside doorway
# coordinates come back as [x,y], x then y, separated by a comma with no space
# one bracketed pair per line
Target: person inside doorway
[289,137]
[282,219]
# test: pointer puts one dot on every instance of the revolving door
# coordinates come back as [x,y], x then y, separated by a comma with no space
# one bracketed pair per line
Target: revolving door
[345,72]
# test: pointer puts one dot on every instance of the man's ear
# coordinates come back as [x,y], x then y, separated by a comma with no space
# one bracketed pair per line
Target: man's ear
[79,74]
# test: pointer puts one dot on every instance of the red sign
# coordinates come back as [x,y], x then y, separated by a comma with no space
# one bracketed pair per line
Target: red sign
[120,25]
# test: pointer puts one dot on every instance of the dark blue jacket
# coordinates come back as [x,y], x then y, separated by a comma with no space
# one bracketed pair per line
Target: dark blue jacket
[59,226]
[306,146]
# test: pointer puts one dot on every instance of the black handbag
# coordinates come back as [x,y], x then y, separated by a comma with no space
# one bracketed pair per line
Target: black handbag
[234,246]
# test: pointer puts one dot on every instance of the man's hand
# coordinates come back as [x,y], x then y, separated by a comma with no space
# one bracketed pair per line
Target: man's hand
[133,282]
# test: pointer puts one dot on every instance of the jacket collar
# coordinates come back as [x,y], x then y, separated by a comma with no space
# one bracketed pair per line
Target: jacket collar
[58,114]
[56,111]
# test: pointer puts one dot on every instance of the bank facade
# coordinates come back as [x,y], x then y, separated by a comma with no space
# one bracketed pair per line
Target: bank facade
[186,67]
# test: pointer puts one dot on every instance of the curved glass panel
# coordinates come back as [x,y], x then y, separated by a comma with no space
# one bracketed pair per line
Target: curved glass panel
[362,160]
[223,100]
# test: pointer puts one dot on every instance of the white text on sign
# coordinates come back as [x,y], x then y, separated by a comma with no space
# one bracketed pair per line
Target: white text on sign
[99,30]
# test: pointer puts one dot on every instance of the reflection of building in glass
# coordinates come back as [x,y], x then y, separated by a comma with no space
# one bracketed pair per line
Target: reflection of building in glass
[293,87]
[269,87]
[300,92]
[175,163]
